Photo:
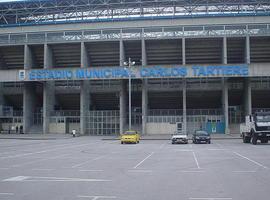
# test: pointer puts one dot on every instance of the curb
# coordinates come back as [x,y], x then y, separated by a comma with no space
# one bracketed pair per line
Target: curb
[170,139]
[28,138]
[34,138]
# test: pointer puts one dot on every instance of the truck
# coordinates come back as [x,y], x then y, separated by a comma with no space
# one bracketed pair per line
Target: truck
[256,127]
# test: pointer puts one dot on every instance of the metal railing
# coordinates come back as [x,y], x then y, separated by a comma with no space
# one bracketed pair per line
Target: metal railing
[8,111]
[175,112]
[164,119]
[65,113]
[260,85]
[194,122]
[9,85]
[137,33]
[38,118]
[260,110]
[103,122]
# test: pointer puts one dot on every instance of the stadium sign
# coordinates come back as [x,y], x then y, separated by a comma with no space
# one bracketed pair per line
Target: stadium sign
[137,72]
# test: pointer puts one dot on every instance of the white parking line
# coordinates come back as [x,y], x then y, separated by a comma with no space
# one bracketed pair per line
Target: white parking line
[113,142]
[221,146]
[45,151]
[8,152]
[34,161]
[50,179]
[85,162]
[97,197]
[6,193]
[27,150]
[259,164]
[162,145]
[192,171]
[91,170]
[187,150]
[244,171]
[42,169]
[144,160]
[196,160]
[141,171]
[210,198]
[16,178]
[216,149]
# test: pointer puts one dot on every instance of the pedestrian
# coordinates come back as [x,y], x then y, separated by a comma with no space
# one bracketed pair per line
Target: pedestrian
[21,129]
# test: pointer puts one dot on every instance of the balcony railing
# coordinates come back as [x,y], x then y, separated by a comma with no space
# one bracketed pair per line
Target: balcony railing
[137,33]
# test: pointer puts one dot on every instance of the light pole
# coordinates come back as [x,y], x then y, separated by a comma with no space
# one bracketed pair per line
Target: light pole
[129,64]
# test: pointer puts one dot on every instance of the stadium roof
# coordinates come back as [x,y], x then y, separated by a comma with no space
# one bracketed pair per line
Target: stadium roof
[30,12]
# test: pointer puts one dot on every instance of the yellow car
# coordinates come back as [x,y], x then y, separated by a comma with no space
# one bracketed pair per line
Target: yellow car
[130,137]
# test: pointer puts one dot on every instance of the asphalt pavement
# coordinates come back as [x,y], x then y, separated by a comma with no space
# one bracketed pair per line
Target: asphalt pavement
[92,168]
[55,136]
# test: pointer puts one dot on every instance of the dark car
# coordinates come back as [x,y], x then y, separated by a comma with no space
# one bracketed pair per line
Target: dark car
[201,136]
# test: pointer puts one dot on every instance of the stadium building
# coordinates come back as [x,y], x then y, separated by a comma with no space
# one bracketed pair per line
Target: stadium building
[66,64]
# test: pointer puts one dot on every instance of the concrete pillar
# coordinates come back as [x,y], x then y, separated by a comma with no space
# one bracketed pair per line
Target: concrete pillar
[48,57]
[48,90]
[2,99]
[122,57]
[84,105]
[29,61]
[85,92]
[122,107]
[29,95]
[29,104]
[184,91]
[225,97]
[144,91]
[144,105]
[144,54]
[247,97]
[224,51]
[247,49]
[183,51]
[225,104]
[123,90]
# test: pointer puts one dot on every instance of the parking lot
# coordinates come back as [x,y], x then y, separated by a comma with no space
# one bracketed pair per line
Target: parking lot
[91,168]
